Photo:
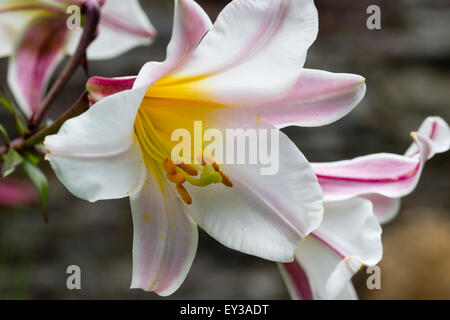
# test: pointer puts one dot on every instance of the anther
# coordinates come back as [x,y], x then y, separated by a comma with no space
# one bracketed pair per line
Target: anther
[169,166]
[225,180]
[190,170]
[184,194]
[176,177]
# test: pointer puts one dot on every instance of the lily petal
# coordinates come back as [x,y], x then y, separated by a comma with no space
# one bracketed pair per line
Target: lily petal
[123,26]
[40,50]
[389,175]
[348,293]
[296,281]
[254,51]
[318,98]
[350,228]
[298,285]
[13,20]
[100,87]
[190,25]
[95,154]
[438,131]
[346,179]
[342,275]
[165,239]
[348,238]
[384,208]
[262,215]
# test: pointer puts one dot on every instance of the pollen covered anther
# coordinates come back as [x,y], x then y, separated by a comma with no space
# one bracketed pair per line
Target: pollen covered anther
[172,173]
[184,194]
[176,177]
[190,170]
[225,180]
[169,166]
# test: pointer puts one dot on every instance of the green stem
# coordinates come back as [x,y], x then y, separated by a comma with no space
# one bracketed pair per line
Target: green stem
[19,144]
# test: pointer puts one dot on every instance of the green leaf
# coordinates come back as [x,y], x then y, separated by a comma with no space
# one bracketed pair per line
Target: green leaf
[4,133]
[33,158]
[5,103]
[40,181]
[11,160]
[20,126]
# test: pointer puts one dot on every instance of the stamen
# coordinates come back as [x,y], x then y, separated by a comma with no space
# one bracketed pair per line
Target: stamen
[169,166]
[148,141]
[178,174]
[225,180]
[176,178]
[184,194]
[190,170]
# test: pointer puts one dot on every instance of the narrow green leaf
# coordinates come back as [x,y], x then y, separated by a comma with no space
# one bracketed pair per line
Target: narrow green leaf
[33,158]
[5,134]
[5,103]
[20,126]
[40,181]
[11,160]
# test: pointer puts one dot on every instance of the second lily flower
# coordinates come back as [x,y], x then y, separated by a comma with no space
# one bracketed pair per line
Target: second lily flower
[35,35]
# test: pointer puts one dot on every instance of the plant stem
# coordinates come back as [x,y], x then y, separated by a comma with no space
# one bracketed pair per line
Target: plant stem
[89,32]
[80,106]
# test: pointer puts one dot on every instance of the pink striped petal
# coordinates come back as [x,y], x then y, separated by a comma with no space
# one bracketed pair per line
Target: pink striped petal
[318,98]
[254,52]
[348,238]
[386,174]
[15,16]
[38,53]
[16,193]
[256,64]
[123,26]
[165,239]
[298,283]
[438,131]
[100,87]
[384,208]
[191,24]
[296,280]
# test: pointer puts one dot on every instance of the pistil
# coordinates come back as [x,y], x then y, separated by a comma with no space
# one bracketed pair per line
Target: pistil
[178,174]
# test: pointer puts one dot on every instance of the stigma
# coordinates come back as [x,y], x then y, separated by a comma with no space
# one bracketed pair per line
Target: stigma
[196,175]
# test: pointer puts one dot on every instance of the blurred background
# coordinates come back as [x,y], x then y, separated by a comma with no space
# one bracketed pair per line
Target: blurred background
[407,68]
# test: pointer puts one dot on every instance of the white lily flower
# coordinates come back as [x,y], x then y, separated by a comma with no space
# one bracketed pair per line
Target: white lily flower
[245,69]
[359,194]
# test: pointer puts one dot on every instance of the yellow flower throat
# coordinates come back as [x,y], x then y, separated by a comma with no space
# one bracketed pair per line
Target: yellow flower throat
[156,119]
